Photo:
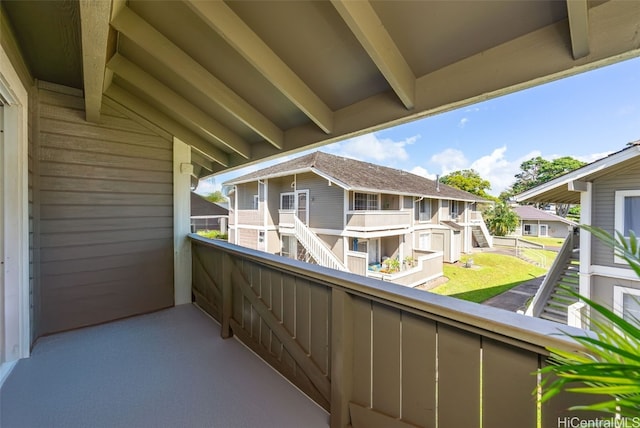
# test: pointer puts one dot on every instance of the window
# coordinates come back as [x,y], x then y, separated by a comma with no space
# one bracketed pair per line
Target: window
[424,241]
[530,230]
[424,210]
[255,203]
[365,202]
[288,201]
[626,302]
[455,209]
[627,214]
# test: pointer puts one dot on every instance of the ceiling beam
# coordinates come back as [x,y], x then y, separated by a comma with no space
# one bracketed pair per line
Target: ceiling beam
[527,61]
[579,27]
[179,106]
[374,38]
[94,26]
[174,58]
[202,161]
[139,107]
[225,22]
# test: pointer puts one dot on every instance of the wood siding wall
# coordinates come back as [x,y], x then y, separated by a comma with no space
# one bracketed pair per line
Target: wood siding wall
[104,197]
[326,203]
[603,199]
[375,355]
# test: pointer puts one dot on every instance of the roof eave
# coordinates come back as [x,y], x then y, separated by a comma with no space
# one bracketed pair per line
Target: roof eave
[578,174]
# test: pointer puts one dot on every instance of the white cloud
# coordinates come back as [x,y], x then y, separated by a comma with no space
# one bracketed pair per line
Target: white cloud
[422,172]
[371,148]
[499,170]
[450,160]
[463,122]
[593,157]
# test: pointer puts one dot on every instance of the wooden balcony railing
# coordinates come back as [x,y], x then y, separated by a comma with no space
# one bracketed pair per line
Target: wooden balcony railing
[378,354]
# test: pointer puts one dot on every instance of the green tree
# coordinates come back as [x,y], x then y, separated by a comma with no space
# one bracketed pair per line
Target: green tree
[501,220]
[468,180]
[216,196]
[537,171]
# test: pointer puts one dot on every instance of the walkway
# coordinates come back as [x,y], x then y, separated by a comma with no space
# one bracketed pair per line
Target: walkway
[516,298]
[165,369]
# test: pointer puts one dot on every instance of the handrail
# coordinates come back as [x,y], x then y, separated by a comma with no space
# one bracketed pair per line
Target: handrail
[483,227]
[485,230]
[508,327]
[553,275]
[343,339]
[315,246]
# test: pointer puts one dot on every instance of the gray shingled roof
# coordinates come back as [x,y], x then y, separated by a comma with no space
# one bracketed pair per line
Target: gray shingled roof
[201,207]
[527,212]
[358,175]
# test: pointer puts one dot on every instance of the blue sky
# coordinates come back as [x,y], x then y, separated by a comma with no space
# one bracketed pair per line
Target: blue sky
[586,116]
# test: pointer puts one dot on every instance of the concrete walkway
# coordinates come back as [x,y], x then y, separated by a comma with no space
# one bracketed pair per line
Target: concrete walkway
[518,297]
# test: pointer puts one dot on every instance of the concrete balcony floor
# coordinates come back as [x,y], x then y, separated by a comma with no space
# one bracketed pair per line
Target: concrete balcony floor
[165,369]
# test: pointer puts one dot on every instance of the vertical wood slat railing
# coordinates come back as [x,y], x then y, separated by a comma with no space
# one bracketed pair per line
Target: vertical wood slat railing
[377,354]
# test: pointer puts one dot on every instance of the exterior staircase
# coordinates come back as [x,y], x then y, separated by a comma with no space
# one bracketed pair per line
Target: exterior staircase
[551,302]
[479,237]
[315,248]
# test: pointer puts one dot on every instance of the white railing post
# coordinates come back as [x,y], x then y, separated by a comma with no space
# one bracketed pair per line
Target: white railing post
[575,315]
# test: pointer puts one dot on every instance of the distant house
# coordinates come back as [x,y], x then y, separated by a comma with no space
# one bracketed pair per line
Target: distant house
[206,215]
[354,216]
[535,222]
[608,191]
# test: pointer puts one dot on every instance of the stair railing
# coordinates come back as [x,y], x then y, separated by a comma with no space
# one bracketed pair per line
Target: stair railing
[551,280]
[318,250]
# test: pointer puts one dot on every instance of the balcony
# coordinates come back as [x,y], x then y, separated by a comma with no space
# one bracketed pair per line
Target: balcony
[250,217]
[378,354]
[369,352]
[286,218]
[427,266]
[369,221]
[166,369]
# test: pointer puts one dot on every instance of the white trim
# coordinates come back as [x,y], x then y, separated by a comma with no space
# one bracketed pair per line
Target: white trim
[618,298]
[614,272]
[586,210]
[181,223]
[546,229]
[378,201]
[578,174]
[620,196]
[235,213]
[14,287]
[256,227]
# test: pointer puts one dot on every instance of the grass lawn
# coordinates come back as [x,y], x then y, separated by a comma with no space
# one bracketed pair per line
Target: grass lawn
[549,242]
[544,257]
[491,275]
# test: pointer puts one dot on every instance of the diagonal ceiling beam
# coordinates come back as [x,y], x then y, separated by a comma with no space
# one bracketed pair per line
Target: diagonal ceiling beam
[579,27]
[94,26]
[139,107]
[198,159]
[368,29]
[165,51]
[179,106]
[225,22]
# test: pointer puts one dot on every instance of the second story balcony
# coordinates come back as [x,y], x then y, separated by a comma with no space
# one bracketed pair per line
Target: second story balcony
[369,221]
